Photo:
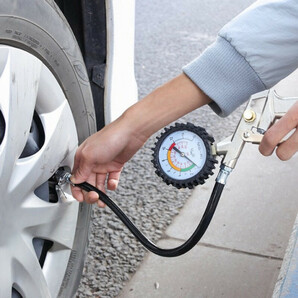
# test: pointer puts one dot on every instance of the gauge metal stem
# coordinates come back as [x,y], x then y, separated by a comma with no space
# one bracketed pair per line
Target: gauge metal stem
[223,174]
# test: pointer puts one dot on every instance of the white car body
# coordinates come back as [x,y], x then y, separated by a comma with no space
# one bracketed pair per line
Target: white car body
[120,84]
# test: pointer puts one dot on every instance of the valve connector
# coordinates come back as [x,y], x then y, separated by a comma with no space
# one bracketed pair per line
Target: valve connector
[62,177]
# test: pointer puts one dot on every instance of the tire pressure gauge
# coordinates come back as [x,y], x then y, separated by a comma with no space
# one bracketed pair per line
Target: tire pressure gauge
[183,155]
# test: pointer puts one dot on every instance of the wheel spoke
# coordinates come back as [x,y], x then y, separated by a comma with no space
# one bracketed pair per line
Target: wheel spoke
[54,268]
[5,279]
[27,273]
[60,144]
[19,83]
[55,222]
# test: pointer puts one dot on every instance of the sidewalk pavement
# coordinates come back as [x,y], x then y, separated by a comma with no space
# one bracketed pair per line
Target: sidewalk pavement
[242,251]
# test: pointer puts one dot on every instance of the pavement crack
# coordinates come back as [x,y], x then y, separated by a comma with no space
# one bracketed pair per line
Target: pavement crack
[233,250]
[239,251]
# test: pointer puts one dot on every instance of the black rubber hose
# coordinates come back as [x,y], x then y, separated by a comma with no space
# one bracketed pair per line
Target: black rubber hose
[172,252]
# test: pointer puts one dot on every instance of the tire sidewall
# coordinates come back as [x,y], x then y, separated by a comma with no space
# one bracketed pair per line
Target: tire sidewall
[40,29]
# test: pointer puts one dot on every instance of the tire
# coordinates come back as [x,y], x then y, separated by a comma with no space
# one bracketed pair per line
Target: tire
[39,28]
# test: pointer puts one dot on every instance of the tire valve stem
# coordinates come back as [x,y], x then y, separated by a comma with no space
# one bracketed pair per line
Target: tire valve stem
[61,193]
[62,177]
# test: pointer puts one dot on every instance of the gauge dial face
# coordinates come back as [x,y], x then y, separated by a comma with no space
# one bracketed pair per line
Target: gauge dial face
[182,154]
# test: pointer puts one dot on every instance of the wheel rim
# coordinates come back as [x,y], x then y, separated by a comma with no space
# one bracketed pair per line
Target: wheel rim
[33,108]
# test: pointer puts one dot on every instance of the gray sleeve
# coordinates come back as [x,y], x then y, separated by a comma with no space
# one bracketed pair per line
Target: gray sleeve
[252,53]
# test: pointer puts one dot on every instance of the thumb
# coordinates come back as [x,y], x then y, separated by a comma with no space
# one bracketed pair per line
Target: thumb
[81,170]
[80,176]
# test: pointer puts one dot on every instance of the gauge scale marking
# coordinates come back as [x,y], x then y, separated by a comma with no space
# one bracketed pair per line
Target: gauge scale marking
[182,155]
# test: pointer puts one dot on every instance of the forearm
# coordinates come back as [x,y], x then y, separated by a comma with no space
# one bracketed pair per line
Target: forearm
[102,155]
[164,105]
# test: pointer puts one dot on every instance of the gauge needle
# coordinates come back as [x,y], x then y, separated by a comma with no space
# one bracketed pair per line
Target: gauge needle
[183,155]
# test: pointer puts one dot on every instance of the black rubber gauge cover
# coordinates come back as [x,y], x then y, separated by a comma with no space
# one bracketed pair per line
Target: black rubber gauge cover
[203,174]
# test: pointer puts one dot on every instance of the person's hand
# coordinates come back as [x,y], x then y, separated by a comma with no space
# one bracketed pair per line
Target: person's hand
[101,157]
[278,131]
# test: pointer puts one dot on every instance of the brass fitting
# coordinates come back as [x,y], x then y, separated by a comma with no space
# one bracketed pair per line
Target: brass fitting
[249,115]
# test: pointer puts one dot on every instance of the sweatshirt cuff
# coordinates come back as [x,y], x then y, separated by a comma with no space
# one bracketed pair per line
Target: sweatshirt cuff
[225,76]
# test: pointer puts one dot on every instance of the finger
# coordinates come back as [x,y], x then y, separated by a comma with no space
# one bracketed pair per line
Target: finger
[77,158]
[100,181]
[92,196]
[101,204]
[278,131]
[77,193]
[288,148]
[113,180]
[268,142]
[83,167]
[100,184]
[81,174]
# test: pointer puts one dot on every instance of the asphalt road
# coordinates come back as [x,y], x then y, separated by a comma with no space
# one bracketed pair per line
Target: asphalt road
[169,34]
